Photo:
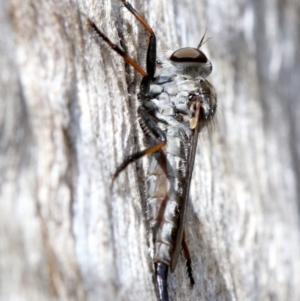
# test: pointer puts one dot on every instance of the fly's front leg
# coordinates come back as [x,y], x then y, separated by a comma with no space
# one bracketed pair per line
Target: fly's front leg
[151,53]
[117,49]
[148,124]
[187,256]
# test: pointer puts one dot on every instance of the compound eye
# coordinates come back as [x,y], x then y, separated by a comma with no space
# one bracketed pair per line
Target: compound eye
[188,55]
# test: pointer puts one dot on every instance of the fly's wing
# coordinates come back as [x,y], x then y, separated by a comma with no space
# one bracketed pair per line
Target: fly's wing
[190,164]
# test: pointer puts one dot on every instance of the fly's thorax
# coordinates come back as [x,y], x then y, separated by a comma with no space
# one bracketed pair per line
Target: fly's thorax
[171,98]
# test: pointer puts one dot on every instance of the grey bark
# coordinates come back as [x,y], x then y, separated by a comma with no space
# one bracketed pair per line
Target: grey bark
[68,118]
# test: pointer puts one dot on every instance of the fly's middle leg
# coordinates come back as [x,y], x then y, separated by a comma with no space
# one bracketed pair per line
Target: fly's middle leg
[149,124]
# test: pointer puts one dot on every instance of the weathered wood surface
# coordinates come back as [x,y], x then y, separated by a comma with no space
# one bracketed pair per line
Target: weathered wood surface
[67,117]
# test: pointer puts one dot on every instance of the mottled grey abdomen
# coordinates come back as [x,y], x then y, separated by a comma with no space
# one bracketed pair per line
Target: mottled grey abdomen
[165,181]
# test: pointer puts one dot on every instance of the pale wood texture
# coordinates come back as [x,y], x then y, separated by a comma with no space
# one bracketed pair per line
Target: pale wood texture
[68,118]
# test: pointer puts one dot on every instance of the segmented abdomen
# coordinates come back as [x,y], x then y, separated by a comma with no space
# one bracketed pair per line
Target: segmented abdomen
[165,192]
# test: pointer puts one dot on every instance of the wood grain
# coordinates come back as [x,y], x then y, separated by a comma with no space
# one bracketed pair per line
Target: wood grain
[68,118]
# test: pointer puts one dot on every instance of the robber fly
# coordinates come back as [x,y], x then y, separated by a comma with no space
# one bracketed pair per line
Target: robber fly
[176,102]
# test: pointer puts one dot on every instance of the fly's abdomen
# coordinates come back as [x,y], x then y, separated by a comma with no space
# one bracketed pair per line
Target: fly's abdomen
[165,191]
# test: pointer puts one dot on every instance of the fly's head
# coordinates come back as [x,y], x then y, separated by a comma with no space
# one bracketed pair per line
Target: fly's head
[191,61]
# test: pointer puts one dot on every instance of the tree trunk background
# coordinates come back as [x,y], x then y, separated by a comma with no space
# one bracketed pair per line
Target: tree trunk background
[68,118]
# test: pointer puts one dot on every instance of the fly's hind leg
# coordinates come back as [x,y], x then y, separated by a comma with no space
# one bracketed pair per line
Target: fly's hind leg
[188,263]
[152,129]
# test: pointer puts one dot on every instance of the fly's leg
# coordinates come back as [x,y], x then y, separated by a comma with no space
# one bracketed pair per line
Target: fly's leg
[117,49]
[134,157]
[161,273]
[151,52]
[153,129]
[188,263]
